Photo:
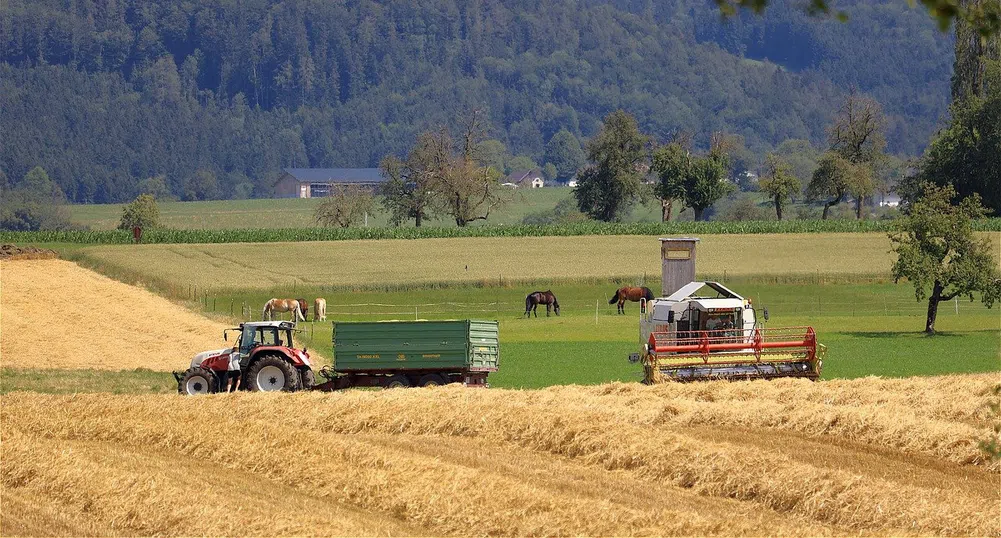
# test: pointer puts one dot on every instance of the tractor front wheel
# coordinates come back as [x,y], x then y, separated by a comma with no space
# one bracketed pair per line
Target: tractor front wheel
[197,381]
[272,373]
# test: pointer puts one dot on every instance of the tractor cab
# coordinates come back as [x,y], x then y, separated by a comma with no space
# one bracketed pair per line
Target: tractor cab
[263,333]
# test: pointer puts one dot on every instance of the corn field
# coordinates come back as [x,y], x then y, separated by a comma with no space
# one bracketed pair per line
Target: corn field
[164,235]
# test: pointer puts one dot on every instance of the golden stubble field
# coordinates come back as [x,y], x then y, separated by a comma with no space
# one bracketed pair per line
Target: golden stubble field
[787,457]
[56,314]
[266,265]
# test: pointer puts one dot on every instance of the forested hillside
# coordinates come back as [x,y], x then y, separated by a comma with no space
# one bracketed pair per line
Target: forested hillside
[218,95]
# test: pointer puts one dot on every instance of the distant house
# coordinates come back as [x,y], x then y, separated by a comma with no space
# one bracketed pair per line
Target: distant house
[318,182]
[889,200]
[529,179]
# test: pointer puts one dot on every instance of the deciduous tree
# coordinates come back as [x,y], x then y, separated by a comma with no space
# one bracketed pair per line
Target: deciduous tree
[671,163]
[565,153]
[408,192]
[938,252]
[779,182]
[346,206]
[141,212]
[607,188]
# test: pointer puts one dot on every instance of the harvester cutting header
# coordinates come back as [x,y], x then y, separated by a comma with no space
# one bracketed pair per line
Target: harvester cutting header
[685,336]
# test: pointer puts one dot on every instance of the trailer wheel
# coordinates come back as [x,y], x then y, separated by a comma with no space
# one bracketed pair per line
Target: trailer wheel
[398,381]
[431,380]
[197,381]
[272,373]
[308,378]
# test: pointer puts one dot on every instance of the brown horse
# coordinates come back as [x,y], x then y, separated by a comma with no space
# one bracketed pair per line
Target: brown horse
[630,293]
[304,307]
[536,298]
[283,305]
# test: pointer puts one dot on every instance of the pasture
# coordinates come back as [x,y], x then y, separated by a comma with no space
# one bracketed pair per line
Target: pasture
[785,457]
[298,212]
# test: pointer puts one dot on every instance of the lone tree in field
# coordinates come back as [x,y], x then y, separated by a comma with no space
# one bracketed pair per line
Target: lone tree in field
[141,212]
[467,188]
[606,188]
[671,163]
[344,207]
[779,182]
[938,252]
[408,192]
[856,148]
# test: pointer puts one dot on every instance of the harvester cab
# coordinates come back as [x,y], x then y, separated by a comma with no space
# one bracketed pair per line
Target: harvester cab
[687,336]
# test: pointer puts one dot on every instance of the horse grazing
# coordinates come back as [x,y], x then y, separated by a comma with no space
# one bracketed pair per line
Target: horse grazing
[630,293]
[283,305]
[536,298]
[304,308]
[320,309]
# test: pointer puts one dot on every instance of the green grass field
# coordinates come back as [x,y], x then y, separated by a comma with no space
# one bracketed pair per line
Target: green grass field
[180,269]
[298,212]
[870,329]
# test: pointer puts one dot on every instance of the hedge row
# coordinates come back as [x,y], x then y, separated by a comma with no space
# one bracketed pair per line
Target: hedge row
[163,235]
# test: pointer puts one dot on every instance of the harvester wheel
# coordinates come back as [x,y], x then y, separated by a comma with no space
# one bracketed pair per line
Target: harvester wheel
[431,380]
[308,378]
[398,381]
[272,373]
[197,381]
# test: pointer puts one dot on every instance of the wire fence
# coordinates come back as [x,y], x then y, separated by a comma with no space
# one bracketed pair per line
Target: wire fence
[849,306]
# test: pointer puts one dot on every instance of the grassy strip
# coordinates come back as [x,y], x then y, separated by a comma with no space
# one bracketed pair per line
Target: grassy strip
[138,381]
[165,235]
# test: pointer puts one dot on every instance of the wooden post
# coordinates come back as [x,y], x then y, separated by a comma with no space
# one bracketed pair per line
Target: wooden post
[596,301]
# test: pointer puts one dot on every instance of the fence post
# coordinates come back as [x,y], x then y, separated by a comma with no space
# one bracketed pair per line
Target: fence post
[957,305]
[596,311]
[231,307]
[415,313]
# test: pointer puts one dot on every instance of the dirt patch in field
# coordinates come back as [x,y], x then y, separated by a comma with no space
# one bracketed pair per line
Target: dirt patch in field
[56,314]
[14,252]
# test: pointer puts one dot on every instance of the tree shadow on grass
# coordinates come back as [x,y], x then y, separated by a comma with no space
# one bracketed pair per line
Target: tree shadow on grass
[897,334]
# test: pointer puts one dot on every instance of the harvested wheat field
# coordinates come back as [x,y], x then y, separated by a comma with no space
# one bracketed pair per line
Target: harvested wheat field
[56,314]
[785,457]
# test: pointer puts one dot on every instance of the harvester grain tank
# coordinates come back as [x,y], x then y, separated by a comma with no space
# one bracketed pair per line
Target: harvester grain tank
[686,335]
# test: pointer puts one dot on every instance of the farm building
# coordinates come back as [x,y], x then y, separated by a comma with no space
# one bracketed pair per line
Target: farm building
[318,182]
[529,179]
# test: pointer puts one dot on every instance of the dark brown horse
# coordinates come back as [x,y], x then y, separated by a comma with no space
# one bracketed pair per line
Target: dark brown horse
[630,293]
[536,298]
[304,306]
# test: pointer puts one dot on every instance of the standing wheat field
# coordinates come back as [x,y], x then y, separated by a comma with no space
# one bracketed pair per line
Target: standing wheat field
[788,457]
[486,259]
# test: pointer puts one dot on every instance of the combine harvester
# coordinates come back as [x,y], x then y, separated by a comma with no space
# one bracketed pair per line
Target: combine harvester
[689,337]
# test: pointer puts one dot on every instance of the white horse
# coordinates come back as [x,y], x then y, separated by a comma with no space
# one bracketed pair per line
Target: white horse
[282,305]
[320,309]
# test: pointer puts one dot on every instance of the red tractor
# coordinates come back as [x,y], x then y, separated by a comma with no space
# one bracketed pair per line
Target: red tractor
[266,358]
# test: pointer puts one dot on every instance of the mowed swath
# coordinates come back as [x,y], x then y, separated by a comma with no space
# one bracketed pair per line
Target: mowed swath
[56,314]
[248,265]
[617,459]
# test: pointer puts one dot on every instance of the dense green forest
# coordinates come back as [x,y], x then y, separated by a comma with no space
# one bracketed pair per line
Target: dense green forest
[216,96]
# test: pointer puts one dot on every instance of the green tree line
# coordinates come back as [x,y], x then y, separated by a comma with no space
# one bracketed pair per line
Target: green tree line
[216,97]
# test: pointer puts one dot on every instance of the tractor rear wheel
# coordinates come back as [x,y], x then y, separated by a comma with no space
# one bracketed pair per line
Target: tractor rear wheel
[272,373]
[431,380]
[197,381]
[308,378]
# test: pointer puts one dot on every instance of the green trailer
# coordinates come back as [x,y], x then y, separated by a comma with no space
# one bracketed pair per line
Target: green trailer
[412,353]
